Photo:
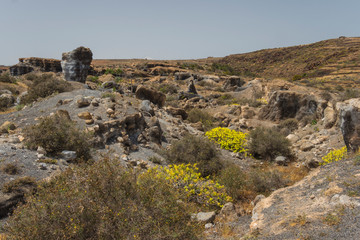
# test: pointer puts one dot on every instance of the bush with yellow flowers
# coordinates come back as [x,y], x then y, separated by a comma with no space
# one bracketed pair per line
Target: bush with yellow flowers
[229,139]
[334,155]
[188,181]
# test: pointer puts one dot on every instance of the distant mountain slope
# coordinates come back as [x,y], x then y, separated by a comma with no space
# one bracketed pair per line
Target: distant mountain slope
[329,57]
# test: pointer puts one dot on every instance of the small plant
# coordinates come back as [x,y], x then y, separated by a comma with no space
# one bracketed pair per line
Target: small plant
[332,219]
[110,95]
[10,168]
[18,184]
[197,115]
[268,143]
[192,149]
[19,107]
[48,161]
[155,160]
[235,181]
[290,123]
[334,156]
[115,72]
[265,182]
[44,86]
[168,88]
[229,139]
[7,78]
[187,180]
[56,134]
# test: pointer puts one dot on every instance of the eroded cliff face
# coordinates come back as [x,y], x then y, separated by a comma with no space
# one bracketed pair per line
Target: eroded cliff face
[76,64]
[27,65]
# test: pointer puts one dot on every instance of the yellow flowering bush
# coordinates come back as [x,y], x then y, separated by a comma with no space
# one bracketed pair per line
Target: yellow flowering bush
[229,139]
[334,155]
[188,181]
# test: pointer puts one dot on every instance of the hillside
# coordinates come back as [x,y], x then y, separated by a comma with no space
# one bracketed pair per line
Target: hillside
[339,56]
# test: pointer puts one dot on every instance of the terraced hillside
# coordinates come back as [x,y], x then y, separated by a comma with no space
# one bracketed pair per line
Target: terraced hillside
[332,57]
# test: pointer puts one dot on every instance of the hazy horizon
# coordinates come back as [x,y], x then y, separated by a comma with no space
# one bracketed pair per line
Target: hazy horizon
[166,29]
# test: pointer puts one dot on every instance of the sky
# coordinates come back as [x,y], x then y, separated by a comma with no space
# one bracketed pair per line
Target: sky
[168,29]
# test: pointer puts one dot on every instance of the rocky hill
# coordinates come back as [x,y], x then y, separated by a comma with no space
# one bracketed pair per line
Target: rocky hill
[282,161]
[334,57]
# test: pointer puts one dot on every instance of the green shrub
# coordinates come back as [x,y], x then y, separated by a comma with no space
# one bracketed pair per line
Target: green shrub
[10,168]
[264,182]
[267,143]
[290,123]
[7,78]
[5,103]
[235,181]
[102,201]
[18,184]
[115,72]
[44,86]
[56,134]
[168,88]
[229,139]
[196,115]
[350,93]
[192,149]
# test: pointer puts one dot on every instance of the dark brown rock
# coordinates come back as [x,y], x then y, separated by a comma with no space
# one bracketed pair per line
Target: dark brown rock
[151,95]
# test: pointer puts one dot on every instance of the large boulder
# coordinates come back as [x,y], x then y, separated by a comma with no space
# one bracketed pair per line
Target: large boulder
[152,95]
[233,83]
[289,104]
[76,64]
[349,116]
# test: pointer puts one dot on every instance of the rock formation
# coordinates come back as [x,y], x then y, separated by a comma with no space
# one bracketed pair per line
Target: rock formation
[349,115]
[76,64]
[44,64]
[27,65]
[20,69]
[151,95]
[289,104]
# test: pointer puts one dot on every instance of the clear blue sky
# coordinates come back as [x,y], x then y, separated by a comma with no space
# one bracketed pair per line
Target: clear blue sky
[168,29]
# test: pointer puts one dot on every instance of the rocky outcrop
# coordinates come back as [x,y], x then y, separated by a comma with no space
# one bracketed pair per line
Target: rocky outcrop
[27,65]
[191,87]
[349,116]
[152,95]
[317,206]
[290,104]
[20,69]
[233,83]
[44,64]
[76,64]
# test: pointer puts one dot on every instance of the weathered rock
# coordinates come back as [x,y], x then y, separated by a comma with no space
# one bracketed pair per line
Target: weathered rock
[152,95]
[206,217]
[20,69]
[85,115]
[145,106]
[330,116]
[68,155]
[43,64]
[233,83]
[289,104]
[349,115]
[83,102]
[177,111]
[6,100]
[76,64]
[281,160]
[182,75]
[191,87]
[228,209]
